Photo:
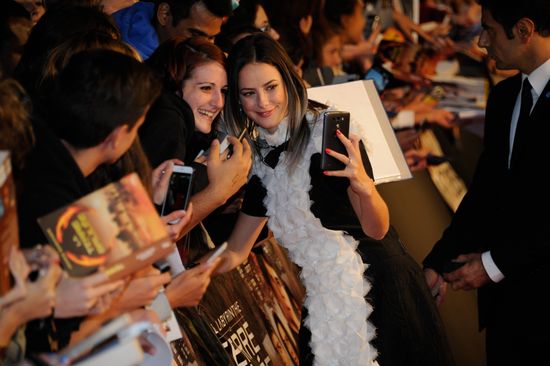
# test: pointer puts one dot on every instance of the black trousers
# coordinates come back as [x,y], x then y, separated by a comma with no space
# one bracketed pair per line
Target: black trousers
[513,345]
[304,337]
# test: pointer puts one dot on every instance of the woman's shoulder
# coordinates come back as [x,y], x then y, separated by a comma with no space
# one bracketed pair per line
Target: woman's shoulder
[171,107]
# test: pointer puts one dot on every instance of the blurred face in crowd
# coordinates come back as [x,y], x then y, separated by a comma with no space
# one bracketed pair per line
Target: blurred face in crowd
[263,95]
[205,92]
[499,47]
[201,22]
[354,24]
[331,52]
[35,8]
[21,28]
[262,23]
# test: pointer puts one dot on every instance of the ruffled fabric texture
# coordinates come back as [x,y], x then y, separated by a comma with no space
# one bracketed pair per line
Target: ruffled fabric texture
[332,271]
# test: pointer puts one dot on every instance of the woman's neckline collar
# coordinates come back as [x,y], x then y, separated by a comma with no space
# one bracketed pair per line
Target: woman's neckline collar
[277,137]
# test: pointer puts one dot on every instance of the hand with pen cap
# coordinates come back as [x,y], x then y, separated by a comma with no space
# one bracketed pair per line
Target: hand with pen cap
[142,289]
[227,175]
[188,288]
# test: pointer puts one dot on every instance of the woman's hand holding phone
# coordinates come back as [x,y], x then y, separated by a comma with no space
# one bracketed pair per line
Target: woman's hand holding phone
[354,169]
[178,192]
[370,208]
[161,178]
[181,219]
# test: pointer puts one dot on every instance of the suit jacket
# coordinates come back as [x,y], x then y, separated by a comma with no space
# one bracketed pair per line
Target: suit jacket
[500,212]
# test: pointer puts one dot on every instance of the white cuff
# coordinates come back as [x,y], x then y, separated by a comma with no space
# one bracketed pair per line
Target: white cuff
[491,268]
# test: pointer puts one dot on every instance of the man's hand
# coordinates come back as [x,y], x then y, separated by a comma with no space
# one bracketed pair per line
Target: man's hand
[471,275]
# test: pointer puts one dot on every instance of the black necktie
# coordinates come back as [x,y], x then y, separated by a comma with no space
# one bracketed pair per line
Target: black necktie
[523,119]
[526,100]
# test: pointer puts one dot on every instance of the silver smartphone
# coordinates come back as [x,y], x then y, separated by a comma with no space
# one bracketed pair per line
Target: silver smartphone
[179,190]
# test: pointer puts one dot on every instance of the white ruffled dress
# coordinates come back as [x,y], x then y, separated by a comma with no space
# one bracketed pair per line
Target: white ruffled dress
[332,270]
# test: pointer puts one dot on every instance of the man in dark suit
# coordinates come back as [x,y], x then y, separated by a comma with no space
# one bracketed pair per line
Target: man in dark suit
[498,231]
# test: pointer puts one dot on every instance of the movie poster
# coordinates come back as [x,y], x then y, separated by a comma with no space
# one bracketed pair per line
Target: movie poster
[249,316]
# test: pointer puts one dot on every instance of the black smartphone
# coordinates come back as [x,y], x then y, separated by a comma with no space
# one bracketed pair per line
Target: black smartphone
[179,190]
[334,121]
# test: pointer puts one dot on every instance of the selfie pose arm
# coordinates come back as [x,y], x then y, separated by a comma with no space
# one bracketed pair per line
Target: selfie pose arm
[367,203]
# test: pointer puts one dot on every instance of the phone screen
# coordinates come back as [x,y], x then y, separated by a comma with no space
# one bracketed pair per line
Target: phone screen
[178,193]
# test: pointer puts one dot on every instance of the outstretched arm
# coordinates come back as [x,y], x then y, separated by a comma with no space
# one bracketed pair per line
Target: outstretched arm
[242,239]
[367,203]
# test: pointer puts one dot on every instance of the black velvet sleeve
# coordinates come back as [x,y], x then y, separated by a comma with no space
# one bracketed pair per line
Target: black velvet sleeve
[329,198]
[254,196]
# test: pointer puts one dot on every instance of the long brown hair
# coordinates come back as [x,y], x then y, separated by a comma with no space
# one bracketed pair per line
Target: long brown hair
[175,60]
[261,48]
[16,132]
